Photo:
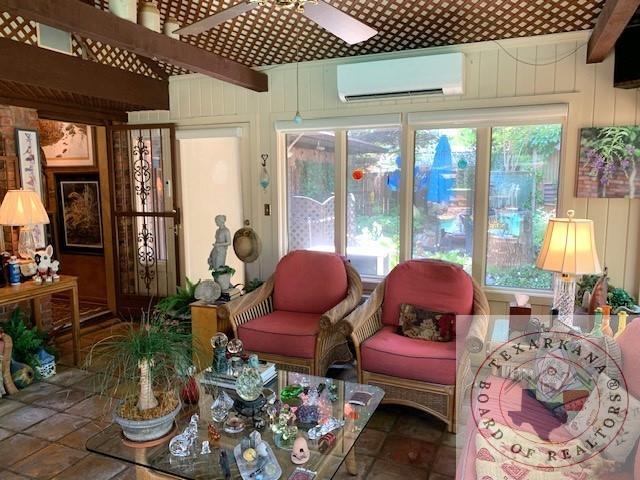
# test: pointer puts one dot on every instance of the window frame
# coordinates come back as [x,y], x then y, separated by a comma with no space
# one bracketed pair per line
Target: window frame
[483,120]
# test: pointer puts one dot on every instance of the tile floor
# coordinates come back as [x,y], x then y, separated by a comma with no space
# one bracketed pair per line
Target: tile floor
[43,430]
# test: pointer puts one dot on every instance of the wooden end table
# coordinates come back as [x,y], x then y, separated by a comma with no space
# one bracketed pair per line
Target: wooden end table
[30,291]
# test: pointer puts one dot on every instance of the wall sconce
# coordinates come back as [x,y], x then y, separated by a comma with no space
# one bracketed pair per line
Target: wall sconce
[265,180]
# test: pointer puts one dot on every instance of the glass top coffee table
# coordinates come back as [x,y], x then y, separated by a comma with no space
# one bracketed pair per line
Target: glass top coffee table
[157,462]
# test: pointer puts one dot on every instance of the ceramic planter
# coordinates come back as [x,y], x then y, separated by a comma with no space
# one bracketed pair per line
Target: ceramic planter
[224,281]
[147,430]
[127,9]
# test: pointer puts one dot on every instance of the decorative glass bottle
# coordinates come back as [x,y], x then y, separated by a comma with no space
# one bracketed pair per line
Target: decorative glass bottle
[606,321]
[622,322]
[597,323]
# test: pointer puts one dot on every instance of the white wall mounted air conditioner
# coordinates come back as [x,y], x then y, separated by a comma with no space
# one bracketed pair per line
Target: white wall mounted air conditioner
[401,77]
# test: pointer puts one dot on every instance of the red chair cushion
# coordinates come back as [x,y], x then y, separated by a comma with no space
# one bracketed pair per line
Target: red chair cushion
[309,282]
[290,334]
[430,284]
[628,342]
[389,353]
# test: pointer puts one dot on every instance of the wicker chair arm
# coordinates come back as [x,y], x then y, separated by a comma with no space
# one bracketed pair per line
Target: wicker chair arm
[479,329]
[243,309]
[365,320]
[346,306]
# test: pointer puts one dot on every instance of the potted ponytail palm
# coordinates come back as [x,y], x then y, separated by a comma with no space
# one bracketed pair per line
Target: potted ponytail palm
[150,363]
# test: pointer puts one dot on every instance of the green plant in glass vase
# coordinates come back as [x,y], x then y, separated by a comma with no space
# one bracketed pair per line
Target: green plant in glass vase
[149,363]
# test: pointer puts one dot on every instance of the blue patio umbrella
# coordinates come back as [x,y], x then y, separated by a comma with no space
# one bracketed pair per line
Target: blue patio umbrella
[393,180]
[439,180]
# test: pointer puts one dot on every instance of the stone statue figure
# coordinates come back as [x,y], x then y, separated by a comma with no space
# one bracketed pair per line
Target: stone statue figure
[218,255]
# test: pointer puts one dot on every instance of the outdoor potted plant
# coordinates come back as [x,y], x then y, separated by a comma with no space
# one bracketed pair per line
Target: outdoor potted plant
[223,275]
[150,362]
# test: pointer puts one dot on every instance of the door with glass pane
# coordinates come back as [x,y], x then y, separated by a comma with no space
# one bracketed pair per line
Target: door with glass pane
[145,215]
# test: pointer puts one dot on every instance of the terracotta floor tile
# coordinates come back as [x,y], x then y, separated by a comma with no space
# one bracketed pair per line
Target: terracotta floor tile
[56,426]
[95,467]
[78,439]
[386,470]
[5,434]
[67,376]
[383,420]
[63,399]
[19,446]
[419,426]
[449,439]
[96,407]
[35,391]
[128,474]
[6,475]
[48,462]
[94,384]
[370,442]
[24,417]
[7,406]
[408,451]
[446,461]
[364,463]
[439,476]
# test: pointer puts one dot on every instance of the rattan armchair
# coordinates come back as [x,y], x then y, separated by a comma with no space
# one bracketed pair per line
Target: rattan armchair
[440,400]
[330,340]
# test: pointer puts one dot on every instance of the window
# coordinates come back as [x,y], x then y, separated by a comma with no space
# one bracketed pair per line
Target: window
[372,208]
[443,194]
[481,187]
[523,194]
[311,159]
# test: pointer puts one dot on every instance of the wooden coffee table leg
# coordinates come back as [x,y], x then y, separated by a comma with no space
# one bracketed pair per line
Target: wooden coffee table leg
[351,463]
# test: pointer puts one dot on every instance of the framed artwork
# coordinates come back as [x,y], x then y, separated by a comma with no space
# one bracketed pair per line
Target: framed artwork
[30,168]
[79,214]
[66,144]
[609,163]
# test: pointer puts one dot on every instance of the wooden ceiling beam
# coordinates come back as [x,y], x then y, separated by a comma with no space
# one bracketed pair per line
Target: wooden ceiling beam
[88,21]
[65,112]
[612,21]
[31,65]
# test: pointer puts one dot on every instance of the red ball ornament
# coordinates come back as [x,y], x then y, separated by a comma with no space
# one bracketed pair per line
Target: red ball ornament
[357,174]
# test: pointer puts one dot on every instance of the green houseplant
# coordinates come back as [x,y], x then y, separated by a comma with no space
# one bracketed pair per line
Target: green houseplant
[26,341]
[177,305]
[150,362]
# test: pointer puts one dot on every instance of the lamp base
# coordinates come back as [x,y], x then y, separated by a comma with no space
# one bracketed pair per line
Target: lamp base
[564,296]
[26,243]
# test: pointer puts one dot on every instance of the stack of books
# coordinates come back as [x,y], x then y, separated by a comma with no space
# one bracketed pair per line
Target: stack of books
[230,294]
[225,380]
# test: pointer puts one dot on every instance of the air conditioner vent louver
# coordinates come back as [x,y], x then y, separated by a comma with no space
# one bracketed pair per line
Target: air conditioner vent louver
[403,77]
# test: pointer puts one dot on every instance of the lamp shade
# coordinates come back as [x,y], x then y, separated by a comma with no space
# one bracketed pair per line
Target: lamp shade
[569,247]
[22,207]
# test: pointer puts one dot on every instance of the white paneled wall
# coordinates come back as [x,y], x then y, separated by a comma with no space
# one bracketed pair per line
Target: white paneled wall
[549,69]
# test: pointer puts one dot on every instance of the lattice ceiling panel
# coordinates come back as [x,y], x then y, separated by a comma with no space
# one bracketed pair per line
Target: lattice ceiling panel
[17,28]
[267,36]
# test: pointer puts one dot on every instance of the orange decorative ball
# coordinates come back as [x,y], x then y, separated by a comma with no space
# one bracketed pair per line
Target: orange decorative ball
[357,174]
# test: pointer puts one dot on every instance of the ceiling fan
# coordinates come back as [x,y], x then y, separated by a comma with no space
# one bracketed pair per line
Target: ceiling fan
[330,18]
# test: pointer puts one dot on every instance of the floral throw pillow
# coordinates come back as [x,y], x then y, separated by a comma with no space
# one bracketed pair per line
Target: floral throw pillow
[423,324]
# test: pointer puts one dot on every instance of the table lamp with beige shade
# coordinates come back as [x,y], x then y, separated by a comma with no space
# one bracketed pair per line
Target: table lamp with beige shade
[568,250]
[24,209]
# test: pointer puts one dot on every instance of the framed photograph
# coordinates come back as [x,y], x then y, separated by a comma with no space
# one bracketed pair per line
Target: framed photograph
[30,169]
[79,214]
[609,163]
[66,144]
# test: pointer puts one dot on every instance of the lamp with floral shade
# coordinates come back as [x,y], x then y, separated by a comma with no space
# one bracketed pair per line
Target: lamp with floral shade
[24,209]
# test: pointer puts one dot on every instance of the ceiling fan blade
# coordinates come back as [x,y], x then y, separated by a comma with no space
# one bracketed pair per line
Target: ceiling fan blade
[208,23]
[339,23]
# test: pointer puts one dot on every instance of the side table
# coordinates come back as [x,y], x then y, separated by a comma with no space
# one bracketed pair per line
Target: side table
[29,291]
[205,323]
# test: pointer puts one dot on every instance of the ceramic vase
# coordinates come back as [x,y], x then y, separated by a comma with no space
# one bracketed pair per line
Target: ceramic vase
[126,9]
[170,26]
[150,16]
[190,393]
[22,374]
[224,281]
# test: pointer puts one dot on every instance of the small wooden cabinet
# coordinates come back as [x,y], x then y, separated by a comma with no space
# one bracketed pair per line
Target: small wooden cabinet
[205,323]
